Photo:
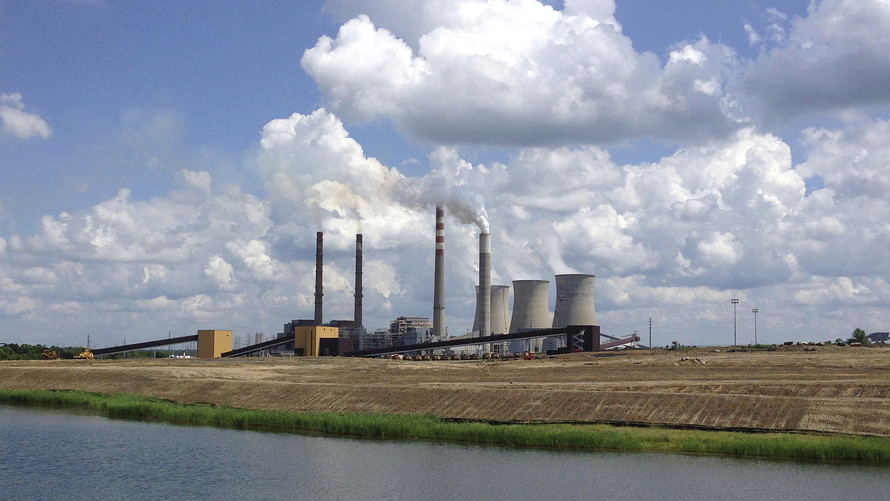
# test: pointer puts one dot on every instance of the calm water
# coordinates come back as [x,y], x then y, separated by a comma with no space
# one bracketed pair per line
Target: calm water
[54,455]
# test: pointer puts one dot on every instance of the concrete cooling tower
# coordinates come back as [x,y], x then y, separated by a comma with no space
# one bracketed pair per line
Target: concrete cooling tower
[574,301]
[500,310]
[530,311]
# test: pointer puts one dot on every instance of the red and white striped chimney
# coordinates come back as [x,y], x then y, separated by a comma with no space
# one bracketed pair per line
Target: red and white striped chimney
[439,331]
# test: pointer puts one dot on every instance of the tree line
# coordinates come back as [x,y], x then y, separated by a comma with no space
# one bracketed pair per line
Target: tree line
[13,351]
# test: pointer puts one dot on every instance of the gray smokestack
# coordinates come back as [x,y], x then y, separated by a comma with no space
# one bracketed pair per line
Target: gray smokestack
[357,316]
[483,296]
[439,331]
[319,238]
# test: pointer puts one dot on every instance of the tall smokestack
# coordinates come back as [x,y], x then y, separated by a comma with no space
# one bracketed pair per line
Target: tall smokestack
[357,316]
[319,238]
[439,331]
[483,297]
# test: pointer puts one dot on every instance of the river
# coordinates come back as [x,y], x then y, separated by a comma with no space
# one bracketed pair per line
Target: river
[47,454]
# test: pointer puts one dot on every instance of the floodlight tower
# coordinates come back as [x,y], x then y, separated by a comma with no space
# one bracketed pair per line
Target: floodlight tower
[734,302]
[754,311]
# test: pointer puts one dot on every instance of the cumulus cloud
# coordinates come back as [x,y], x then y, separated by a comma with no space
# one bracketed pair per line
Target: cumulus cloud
[705,222]
[835,59]
[676,237]
[137,251]
[510,73]
[16,121]
[726,214]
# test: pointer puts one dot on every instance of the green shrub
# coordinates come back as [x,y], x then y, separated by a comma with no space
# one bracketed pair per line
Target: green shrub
[414,427]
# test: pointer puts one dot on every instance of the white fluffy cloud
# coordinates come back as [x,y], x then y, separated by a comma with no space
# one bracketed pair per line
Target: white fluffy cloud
[727,214]
[836,59]
[512,73]
[675,238]
[16,121]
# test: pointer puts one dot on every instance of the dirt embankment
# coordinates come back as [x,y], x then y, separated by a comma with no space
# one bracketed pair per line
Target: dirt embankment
[830,389]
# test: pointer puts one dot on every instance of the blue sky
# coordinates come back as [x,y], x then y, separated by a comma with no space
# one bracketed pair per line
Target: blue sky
[166,164]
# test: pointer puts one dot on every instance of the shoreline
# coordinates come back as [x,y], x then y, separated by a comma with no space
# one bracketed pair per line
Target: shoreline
[575,437]
[832,390]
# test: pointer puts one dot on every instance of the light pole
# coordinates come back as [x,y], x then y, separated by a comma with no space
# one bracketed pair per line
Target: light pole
[734,302]
[754,311]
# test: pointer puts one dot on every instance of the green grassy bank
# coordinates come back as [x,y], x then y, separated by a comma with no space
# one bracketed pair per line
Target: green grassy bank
[875,450]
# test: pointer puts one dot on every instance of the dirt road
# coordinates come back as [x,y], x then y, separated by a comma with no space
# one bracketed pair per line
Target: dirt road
[829,389]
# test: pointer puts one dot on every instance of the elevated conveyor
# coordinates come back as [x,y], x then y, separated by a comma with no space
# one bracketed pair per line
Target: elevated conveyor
[247,350]
[147,344]
[583,337]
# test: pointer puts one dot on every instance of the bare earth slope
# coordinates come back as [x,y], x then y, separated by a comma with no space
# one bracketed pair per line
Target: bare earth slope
[830,389]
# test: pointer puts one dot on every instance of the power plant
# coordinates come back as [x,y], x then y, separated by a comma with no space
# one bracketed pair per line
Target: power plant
[530,314]
[529,329]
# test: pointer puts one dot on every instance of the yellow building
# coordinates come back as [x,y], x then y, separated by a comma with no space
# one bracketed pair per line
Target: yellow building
[315,341]
[213,343]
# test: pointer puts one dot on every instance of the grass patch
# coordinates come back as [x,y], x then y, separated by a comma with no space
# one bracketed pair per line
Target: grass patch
[815,447]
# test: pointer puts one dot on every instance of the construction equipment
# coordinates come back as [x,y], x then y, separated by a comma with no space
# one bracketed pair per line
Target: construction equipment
[85,354]
[49,355]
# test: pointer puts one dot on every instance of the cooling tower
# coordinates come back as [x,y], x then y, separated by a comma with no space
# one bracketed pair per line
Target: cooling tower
[500,309]
[439,331]
[483,292]
[319,237]
[574,301]
[357,315]
[530,309]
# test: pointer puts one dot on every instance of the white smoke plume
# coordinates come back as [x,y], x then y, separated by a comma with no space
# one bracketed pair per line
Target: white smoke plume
[310,164]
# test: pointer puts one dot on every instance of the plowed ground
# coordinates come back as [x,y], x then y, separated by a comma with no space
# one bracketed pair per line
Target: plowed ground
[827,389]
